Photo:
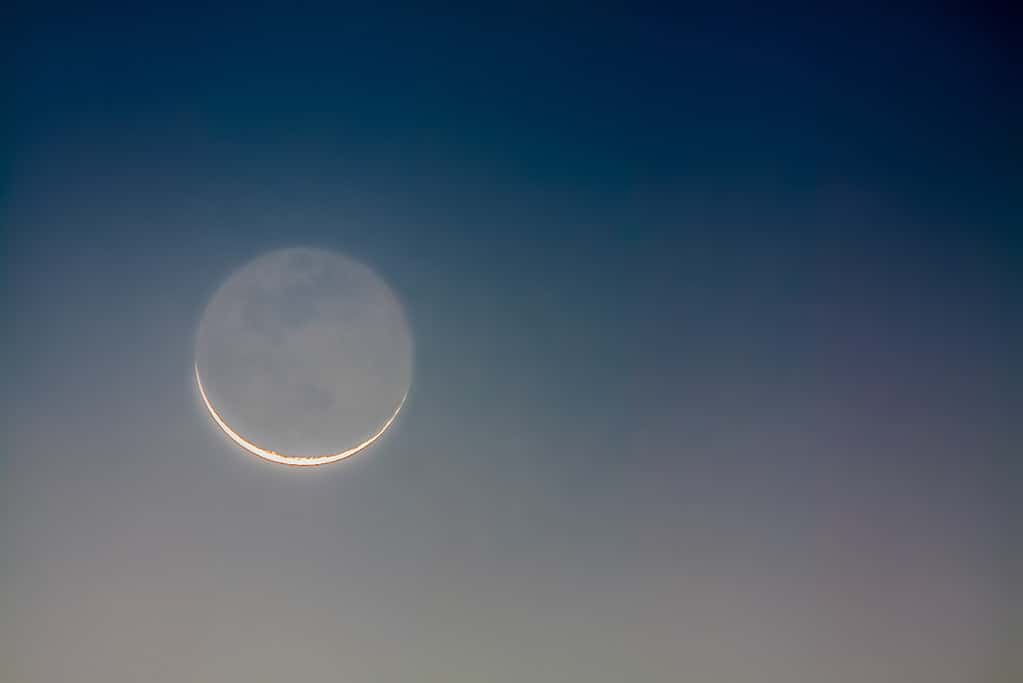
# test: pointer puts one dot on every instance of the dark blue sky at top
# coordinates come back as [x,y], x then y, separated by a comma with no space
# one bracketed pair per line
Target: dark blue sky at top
[919,104]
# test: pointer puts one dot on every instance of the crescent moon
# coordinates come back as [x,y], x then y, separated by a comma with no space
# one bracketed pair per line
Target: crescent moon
[291,460]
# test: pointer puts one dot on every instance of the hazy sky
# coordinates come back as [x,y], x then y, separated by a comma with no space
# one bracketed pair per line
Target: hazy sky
[717,327]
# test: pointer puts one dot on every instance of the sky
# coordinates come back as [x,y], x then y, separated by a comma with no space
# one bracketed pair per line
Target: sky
[716,324]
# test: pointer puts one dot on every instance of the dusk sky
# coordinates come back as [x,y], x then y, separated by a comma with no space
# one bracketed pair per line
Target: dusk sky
[716,323]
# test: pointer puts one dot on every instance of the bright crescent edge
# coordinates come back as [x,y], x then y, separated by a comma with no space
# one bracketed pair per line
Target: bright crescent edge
[292,460]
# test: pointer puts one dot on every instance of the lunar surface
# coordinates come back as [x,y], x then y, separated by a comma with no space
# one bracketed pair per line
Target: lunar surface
[303,357]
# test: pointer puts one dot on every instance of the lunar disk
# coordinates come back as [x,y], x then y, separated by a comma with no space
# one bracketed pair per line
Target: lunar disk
[303,357]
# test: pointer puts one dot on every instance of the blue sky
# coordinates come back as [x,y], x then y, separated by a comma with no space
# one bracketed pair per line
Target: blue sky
[715,323]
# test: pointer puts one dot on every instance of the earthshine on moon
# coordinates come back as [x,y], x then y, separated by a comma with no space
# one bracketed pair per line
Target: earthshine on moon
[303,357]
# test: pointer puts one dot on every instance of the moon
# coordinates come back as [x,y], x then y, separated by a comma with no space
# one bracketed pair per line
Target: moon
[303,357]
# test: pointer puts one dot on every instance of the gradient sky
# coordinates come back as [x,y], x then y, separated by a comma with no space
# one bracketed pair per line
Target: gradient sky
[716,319]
